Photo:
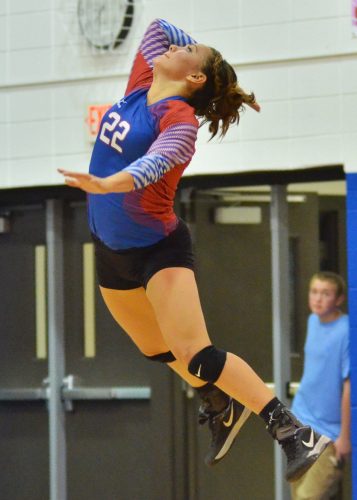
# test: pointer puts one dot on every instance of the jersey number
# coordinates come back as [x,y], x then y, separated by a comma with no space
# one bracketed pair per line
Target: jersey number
[117,136]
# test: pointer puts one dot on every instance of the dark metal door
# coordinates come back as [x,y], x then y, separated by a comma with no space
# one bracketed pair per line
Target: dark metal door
[23,415]
[116,449]
[123,417]
[234,275]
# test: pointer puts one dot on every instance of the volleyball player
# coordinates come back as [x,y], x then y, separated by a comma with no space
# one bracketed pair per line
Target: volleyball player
[144,257]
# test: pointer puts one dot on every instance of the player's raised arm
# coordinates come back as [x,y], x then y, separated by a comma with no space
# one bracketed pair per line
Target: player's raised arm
[157,39]
[174,146]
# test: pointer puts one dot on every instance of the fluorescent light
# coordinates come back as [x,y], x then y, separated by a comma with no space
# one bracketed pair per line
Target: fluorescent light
[238,215]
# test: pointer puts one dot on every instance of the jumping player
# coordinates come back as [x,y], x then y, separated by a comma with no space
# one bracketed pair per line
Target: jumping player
[143,251]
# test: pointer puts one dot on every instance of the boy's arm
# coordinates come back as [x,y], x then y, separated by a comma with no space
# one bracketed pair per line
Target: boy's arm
[343,442]
[157,40]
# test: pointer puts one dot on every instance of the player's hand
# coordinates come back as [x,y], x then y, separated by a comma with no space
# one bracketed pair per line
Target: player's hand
[87,182]
[343,448]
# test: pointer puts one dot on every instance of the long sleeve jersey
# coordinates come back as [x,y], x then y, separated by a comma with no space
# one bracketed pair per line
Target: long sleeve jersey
[154,143]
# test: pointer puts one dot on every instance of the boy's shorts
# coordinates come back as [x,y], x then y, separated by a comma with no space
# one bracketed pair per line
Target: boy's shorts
[133,268]
[322,480]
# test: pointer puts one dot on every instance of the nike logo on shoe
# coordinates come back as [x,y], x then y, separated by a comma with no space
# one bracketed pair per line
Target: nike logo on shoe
[310,443]
[228,423]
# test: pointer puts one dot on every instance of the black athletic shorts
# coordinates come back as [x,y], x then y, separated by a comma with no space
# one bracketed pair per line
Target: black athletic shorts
[133,268]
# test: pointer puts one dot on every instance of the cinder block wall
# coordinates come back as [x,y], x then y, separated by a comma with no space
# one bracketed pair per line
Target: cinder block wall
[298,57]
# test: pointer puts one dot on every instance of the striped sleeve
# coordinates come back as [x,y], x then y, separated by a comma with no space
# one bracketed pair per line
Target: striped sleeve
[157,40]
[174,146]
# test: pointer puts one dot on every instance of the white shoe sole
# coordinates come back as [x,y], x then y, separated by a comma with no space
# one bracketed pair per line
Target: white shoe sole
[312,456]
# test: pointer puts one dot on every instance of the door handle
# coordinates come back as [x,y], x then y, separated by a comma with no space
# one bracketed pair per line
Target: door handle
[73,391]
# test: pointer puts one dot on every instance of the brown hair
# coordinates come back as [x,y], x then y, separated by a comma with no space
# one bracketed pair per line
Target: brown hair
[221,99]
[333,278]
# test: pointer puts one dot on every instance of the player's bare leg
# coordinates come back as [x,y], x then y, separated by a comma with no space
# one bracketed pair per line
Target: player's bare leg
[174,296]
[225,417]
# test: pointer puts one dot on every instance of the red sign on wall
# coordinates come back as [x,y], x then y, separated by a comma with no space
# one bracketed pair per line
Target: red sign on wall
[95,114]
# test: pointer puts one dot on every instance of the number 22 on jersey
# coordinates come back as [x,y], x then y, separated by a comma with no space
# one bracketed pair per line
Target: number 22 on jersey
[118,136]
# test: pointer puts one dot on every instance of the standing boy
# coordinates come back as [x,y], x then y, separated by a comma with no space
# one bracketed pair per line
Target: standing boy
[323,398]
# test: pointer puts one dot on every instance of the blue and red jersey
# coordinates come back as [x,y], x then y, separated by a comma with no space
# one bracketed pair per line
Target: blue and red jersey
[154,143]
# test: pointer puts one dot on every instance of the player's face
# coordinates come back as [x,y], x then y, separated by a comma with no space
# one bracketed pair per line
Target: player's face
[323,299]
[179,62]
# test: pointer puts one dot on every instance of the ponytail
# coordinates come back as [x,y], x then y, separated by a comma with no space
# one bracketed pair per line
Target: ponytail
[221,100]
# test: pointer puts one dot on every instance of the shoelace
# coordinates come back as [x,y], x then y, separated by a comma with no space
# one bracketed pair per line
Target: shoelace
[205,414]
[271,417]
[289,446]
[282,414]
[220,416]
[214,424]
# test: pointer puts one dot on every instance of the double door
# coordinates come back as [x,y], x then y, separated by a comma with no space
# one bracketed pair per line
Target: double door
[82,414]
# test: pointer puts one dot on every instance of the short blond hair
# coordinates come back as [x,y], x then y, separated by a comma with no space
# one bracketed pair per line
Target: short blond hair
[333,278]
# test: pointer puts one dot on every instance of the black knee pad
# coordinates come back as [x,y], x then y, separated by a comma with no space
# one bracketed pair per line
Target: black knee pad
[164,357]
[208,364]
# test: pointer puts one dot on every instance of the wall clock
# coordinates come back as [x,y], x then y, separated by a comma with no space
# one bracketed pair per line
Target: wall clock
[105,23]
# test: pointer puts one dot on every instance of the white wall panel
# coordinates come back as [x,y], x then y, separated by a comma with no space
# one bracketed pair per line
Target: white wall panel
[227,41]
[30,140]
[261,12]
[3,141]
[3,108]
[349,114]
[30,30]
[77,162]
[3,68]
[268,82]
[305,9]
[261,155]
[315,79]
[30,105]
[209,15]
[4,173]
[248,155]
[315,37]
[70,136]
[72,100]
[33,65]
[21,6]
[65,27]
[3,33]
[271,123]
[31,172]
[315,116]
[349,150]
[266,42]
[171,9]
[347,42]
[348,69]
[316,150]
[79,62]
[215,158]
